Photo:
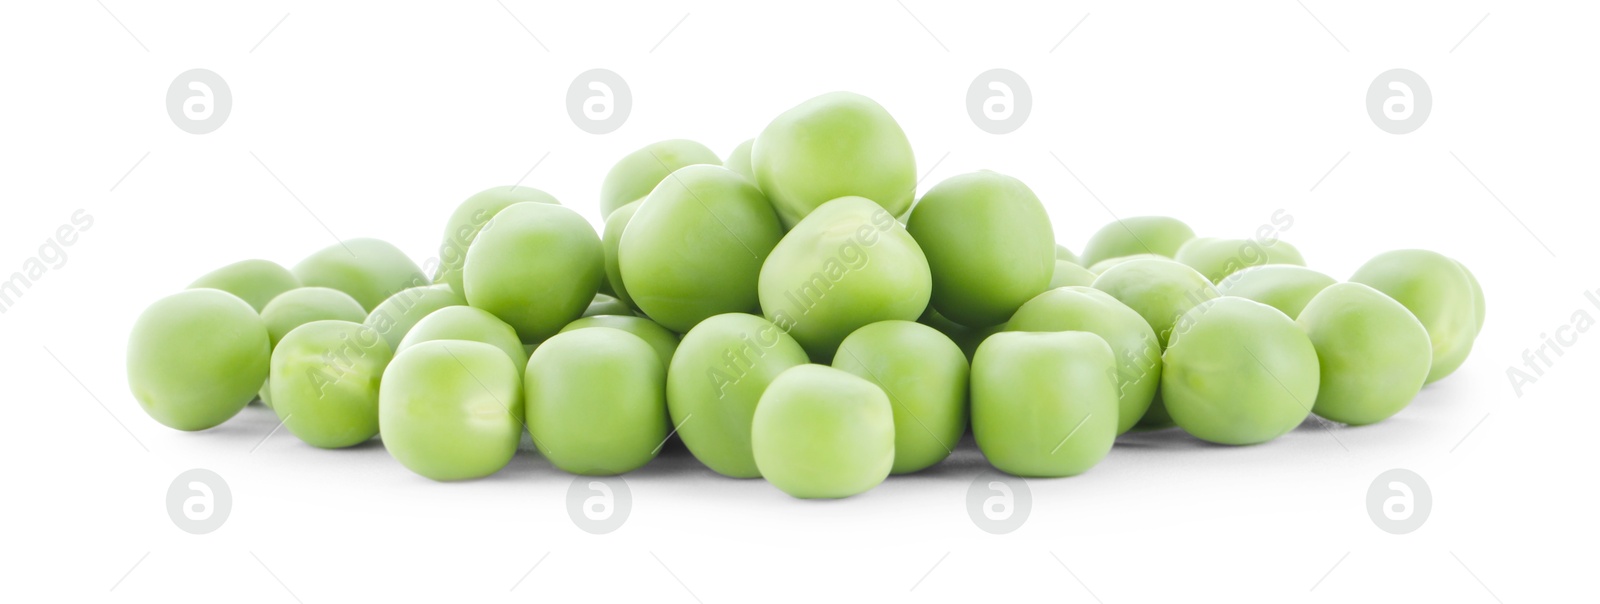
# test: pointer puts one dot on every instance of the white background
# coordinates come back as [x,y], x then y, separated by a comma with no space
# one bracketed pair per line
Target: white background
[378,118]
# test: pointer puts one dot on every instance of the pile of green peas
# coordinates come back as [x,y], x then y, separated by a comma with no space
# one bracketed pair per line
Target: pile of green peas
[793,313]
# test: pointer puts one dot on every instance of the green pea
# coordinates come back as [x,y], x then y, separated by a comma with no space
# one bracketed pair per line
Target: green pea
[1217,258]
[1067,274]
[607,305]
[840,144]
[637,173]
[1286,287]
[611,240]
[1160,290]
[678,279]
[662,340]
[848,264]
[451,409]
[1159,235]
[536,266]
[469,218]
[303,305]
[1438,291]
[1133,342]
[1238,372]
[989,245]
[1373,353]
[254,281]
[924,375]
[1104,265]
[470,324]
[822,433]
[595,401]
[716,378]
[195,358]
[324,384]
[1065,253]
[397,315]
[370,270]
[739,160]
[1044,404]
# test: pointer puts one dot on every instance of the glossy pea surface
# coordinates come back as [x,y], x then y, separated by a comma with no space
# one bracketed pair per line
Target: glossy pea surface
[1286,287]
[1217,258]
[739,160]
[595,401]
[303,305]
[716,378]
[397,315]
[1159,235]
[660,339]
[256,282]
[1238,372]
[467,323]
[611,241]
[924,374]
[469,217]
[1160,290]
[1044,404]
[822,433]
[835,145]
[637,173]
[536,266]
[695,246]
[1069,274]
[989,244]
[607,305]
[195,358]
[1438,291]
[370,270]
[1373,353]
[451,409]
[1133,343]
[325,377]
[1065,253]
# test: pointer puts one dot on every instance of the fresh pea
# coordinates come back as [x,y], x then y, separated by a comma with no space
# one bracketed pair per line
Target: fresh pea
[840,144]
[611,240]
[1160,290]
[924,375]
[822,433]
[1373,353]
[467,323]
[303,305]
[1044,404]
[324,384]
[536,266]
[1286,287]
[1104,265]
[1065,253]
[1217,258]
[660,339]
[1436,289]
[1238,372]
[1068,273]
[595,401]
[469,218]
[1133,342]
[1159,235]
[637,173]
[254,281]
[739,160]
[607,305]
[370,270]
[451,409]
[989,244]
[398,314]
[195,358]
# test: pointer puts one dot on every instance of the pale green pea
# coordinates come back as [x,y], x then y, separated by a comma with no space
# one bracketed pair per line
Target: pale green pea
[1238,372]
[1133,342]
[1438,291]
[989,245]
[325,377]
[839,144]
[637,173]
[467,323]
[924,375]
[451,409]
[1286,287]
[256,282]
[661,339]
[469,218]
[370,270]
[536,266]
[1217,258]
[1158,235]
[822,433]
[195,358]
[1044,404]
[397,315]
[595,401]
[1373,353]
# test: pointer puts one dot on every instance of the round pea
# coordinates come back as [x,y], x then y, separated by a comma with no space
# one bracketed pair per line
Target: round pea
[451,409]
[325,377]
[846,265]
[595,401]
[370,270]
[716,378]
[195,358]
[1133,343]
[1104,265]
[1065,253]
[1067,274]
[637,173]
[840,144]
[967,338]
[470,324]
[1373,353]
[1217,258]
[739,160]
[989,245]
[1286,287]
[1438,291]
[1159,235]
[607,305]
[469,218]
[822,433]
[678,279]
[1044,404]
[397,315]
[611,240]
[256,282]
[1160,290]
[660,339]
[1238,372]
[924,375]
[303,305]
[536,266]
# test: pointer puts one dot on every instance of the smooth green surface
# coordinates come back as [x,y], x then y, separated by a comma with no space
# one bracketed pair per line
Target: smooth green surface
[637,173]
[469,218]
[451,409]
[1160,290]
[1286,287]
[607,305]
[715,380]
[596,401]
[303,305]
[989,244]
[370,270]
[1217,258]
[846,265]
[467,323]
[1065,253]
[395,317]
[694,247]
[1044,404]
[967,338]
[1159,235]
[1438,291]
[611,241]
[1132,341]
[1069,274]
[1102,266]
[924,375]
[835,145]
[1238,372]
[536,266]
[822,433]
[325,377]
[739,160]
[1373,353]
[195,358]
[256,282]
[660,339]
